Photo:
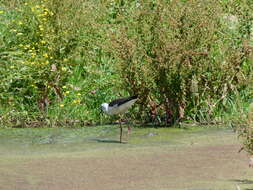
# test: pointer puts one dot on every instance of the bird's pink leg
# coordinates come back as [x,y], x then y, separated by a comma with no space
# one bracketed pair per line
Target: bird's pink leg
[129,130]
[121,130]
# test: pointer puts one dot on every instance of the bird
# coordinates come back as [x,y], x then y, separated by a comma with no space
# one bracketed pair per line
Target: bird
[119,107]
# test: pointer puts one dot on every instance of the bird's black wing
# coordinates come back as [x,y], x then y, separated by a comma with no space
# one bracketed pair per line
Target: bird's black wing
[121,101]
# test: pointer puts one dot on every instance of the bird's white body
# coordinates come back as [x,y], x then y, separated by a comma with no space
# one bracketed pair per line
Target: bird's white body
[119,106]
[117,109]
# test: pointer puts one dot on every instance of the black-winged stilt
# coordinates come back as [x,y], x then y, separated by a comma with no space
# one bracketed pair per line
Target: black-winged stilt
[118,107]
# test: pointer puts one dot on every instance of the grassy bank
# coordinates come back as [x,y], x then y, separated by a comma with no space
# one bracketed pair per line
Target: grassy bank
[60,59]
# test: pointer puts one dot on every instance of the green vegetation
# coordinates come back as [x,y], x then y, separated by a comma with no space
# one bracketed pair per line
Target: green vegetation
[245,129]
[60,59]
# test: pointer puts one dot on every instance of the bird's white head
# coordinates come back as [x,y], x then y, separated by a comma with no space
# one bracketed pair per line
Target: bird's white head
[104,107]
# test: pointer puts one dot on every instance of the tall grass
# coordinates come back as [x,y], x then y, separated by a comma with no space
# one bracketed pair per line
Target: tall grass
[186,59]
[60,59]
[244,127]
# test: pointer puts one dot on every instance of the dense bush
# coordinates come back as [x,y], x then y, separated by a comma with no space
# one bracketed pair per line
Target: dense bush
[185,58]
[244,127]
[60,59]
[52,65]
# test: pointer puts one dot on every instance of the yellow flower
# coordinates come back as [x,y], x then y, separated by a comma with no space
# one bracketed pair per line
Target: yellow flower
[66,93]
[64,87]
[79,94]
[46,63]
[42,41]
[76,101]
[33,55]
[34,86]
[45,55]
[12,67]
[45,12]
[32,63]
[20,22]
[41,27]
[63,68]
[1,12]
[61,105]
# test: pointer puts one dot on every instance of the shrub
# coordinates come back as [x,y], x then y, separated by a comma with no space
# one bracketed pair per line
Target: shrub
[52,64]
[182,57]
[60,59]
[245,130]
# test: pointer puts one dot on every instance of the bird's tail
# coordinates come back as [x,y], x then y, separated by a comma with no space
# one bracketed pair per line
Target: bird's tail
[134,97]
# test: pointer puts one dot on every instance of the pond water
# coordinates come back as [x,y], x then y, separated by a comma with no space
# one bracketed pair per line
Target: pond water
[51,140]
